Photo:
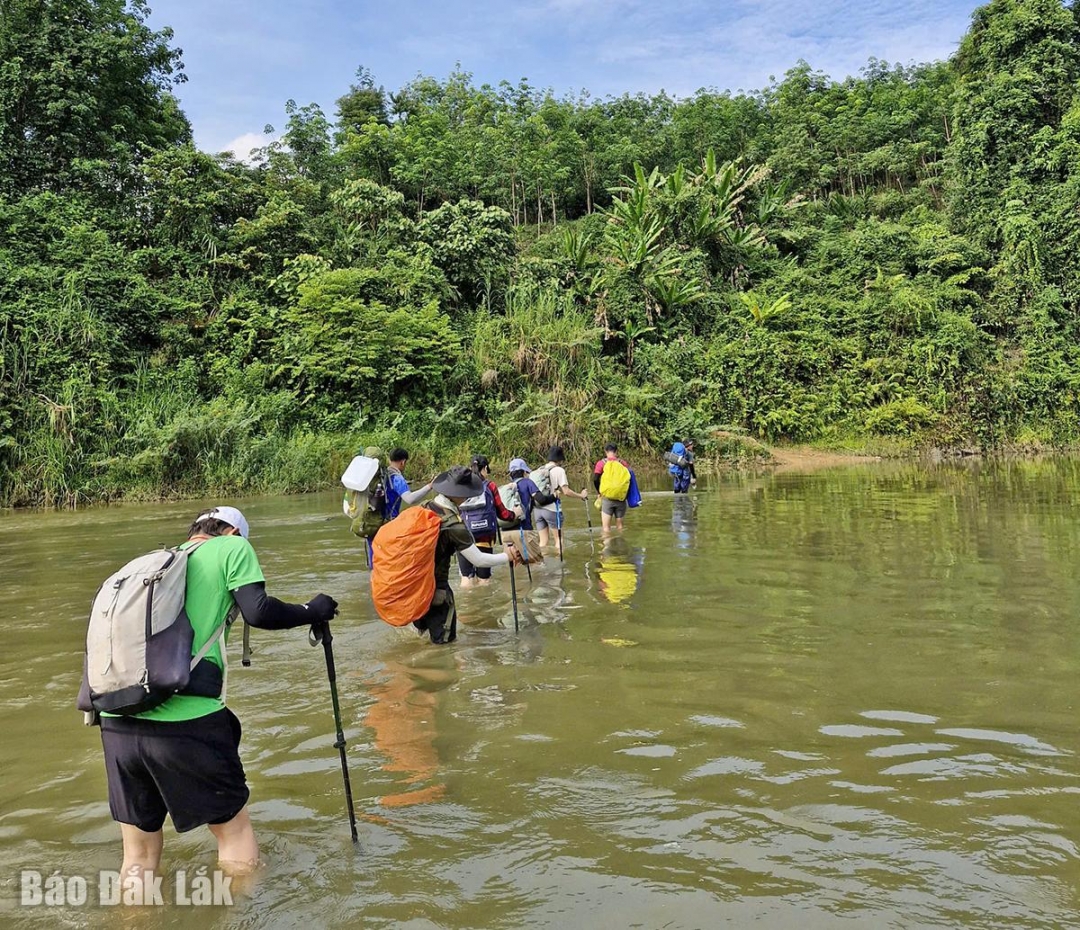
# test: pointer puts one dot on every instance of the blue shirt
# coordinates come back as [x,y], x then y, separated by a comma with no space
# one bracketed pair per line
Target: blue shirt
[526,489]
[397,486]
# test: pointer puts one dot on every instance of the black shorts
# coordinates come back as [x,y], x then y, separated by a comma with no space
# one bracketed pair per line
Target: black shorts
[190,769]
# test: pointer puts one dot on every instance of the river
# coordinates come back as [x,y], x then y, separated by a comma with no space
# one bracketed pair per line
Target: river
[843,698]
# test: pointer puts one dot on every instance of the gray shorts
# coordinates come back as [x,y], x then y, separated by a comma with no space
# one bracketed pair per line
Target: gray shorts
[545,518]
[612,508]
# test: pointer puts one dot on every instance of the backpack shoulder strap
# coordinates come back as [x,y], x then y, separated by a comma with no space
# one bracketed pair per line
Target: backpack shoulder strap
[230,618]
[449,518]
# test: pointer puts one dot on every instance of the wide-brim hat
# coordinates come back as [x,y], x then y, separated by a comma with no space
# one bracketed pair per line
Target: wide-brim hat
[458,481]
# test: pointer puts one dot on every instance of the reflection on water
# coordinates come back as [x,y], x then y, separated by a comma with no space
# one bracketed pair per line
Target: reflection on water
[684,520]
[402,723]
[618,568]
[843,699]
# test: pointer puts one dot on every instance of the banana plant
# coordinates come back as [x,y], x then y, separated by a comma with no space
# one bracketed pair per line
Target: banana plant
[761,310]
[577,248]
[634,247]
[672,292]
[581,278]
[632,331]
[773,199]
[741,243]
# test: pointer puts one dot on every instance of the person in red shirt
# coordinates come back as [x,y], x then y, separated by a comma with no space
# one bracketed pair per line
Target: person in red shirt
[608,507]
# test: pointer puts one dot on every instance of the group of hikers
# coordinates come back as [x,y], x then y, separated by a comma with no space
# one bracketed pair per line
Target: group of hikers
[411,552]
[155,670]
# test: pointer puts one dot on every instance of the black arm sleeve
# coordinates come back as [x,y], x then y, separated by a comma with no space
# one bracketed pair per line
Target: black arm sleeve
[596,482]
[266,612]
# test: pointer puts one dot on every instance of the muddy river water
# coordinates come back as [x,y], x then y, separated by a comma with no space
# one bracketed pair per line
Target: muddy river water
[844,698]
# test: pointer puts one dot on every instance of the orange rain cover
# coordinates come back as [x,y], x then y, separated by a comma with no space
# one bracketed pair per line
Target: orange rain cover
[403,566]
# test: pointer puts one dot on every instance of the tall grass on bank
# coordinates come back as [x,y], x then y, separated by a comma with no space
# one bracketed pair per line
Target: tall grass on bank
[159,439]
[546,379]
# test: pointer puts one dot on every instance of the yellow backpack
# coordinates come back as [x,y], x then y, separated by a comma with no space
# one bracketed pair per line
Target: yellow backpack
[615,481]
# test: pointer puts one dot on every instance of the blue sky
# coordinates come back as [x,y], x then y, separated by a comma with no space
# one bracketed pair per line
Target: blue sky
[245,58]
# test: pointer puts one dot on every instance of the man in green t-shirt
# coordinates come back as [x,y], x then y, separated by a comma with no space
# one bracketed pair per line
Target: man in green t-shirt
[182,757]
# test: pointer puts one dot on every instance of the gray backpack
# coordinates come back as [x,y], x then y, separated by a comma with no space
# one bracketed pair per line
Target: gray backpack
[545,494]
[541,477]
[511,498]
[139,639]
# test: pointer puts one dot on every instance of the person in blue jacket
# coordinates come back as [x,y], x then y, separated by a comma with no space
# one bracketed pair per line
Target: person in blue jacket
[397,490]
[683,476]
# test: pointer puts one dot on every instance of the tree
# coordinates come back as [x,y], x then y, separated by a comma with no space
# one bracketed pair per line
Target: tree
[82,81]
[1017,71]
[363,104]
[473,245]
[348,340]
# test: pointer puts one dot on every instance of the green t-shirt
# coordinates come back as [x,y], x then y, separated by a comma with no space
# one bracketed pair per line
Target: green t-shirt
[220,566]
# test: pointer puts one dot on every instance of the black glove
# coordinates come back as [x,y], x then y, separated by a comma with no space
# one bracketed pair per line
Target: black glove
[321,608]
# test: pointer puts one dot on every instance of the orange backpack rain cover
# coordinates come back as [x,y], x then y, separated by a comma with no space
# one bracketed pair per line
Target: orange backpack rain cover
[403,566]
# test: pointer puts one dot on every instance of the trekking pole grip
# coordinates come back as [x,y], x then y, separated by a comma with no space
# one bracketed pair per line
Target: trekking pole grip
[320,633]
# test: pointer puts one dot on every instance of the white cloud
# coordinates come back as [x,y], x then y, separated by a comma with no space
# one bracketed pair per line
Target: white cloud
[242,146]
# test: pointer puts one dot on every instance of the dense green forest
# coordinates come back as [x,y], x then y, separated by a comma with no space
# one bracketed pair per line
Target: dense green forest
[890,257]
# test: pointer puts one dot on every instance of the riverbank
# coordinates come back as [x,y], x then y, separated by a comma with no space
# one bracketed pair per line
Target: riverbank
[803,459]
[305,462]
[317,466]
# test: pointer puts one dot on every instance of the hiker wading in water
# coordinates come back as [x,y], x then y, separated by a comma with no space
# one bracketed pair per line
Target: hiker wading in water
[481,514]
[611,477]
[452,488]
[181,758]
[683,475]
[552,484]
[397,490]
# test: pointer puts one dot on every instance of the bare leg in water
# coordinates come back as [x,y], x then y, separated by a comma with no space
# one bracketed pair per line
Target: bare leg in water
[238,850]
[142,854]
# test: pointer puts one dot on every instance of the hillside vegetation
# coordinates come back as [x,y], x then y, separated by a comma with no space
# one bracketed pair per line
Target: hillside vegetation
[457,267]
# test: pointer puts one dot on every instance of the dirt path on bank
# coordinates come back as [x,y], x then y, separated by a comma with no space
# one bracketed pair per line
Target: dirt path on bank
[803,458]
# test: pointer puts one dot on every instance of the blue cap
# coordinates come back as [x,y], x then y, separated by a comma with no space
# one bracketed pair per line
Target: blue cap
[518,465]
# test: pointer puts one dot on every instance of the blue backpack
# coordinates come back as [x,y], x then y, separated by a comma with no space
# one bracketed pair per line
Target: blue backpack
[677,459]
[479,515]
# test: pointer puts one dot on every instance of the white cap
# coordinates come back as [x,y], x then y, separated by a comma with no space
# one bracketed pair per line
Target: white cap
[229,515]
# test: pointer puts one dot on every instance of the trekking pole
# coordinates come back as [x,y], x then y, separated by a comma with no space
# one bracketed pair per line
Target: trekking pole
[558,525]
[320,633]
[525,554]
[588,516]
[513,583]
[513,596]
